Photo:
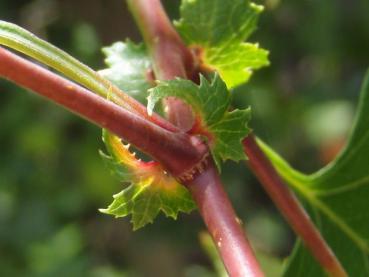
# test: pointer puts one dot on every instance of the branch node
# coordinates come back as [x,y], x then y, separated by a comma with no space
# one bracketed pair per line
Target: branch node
[198,168]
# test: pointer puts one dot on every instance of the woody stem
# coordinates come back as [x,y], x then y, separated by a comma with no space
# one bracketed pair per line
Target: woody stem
[172,59]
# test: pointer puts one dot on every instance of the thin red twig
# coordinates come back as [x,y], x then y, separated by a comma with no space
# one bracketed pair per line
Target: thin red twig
[291,208]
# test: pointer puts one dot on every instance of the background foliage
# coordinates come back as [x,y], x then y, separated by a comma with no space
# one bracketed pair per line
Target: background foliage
[52,180]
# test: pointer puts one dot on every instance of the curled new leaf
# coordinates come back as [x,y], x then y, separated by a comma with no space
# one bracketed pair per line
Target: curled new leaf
[210,102]
[150,188]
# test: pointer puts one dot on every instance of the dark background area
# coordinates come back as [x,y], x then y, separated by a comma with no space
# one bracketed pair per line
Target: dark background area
[52,180]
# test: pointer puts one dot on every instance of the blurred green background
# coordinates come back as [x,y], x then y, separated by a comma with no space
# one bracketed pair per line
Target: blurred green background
[52,180]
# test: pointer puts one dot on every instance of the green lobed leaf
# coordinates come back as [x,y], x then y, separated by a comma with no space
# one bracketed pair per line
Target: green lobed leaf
[128,68]
[150,188]
[337,197]
[219,28]
[210,102]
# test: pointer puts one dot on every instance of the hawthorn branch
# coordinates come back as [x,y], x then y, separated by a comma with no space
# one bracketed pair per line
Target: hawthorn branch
[163,145]
[172,59]
[291,208]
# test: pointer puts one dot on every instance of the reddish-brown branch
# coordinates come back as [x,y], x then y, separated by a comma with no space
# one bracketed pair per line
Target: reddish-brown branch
[291,208]
[223,224]
[172,59]
[161,144]
[170,55]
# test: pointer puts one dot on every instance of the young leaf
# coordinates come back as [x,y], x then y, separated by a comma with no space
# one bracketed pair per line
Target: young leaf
[218,29]
[210,102]
[337,197]
[128,68]
[151,189]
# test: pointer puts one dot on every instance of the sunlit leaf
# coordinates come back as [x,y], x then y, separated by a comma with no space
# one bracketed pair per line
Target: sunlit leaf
[129,68]
[217,29]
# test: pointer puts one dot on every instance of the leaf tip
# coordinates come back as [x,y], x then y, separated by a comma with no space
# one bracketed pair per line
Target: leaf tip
[257,8]
[104,211]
